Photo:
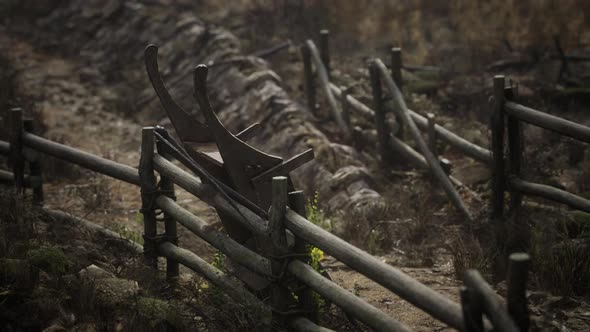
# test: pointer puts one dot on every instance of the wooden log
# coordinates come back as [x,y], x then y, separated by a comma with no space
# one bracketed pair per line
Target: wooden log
[382,130]
[472,311]
[219,240]
[497,124]
[518,269]
[325,83]
[148,196]
[396,67]
[549,192]
[515,152]
[4,148]
[16,149]
[308,82]
[101,165]
[492,305]
[302,324]
[350,303]
[29,181]
[276,246]
[470,149]
[548,121]
[433,162]
[384,274]
[325,50]
[35,168]
[432,133]
[305,295]
[170,229]
[226,283]
[209,195]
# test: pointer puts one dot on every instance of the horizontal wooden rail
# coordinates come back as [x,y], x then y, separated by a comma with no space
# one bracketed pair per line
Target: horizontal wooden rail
[548,121]
[393,279]
[29,181]
[4,147]
[98,164]
[350,303]
[386,275]
[549,192]
[228,284]
[493,307]
[219,240]
[302,324]
[210,195]
[470,149]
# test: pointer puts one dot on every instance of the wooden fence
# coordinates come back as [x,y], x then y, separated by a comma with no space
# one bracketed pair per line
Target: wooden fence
[279,258]
[507,114]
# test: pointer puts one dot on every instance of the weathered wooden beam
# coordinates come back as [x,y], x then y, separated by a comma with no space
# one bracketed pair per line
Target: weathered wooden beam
[210,195]
[396,67]
[492,305]
[148,182]
[302,324]
[101,165]
[518,268]
[472,311]
[548,121]
[383,133]
[308,81]
[29,181]
[219,240]
[170,229]
[432,133]
[515,153]
[16,149]
[226,283]
[497,124]
[350,303]
[549,192]
[433,162]
[325,50]
[384,274]
[470,149]
[325,83]
[35,168]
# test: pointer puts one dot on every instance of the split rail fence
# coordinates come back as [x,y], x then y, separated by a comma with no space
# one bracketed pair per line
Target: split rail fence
[507,116]
[480,308]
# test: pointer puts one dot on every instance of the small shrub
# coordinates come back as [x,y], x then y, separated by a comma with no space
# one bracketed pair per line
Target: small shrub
[49,259]
[317,215]
[467,255]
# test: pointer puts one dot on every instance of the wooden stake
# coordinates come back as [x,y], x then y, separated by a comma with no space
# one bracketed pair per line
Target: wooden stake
[432,133]
[497,124]
[325,50]
[396,67]
[16,149]
[308,81]
[170,228]
[472,311]
[516,295]
[35,168]
[382,133]
[147,180]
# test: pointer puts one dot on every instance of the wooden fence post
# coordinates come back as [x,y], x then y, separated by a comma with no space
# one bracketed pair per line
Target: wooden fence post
[16,149]
[396,67]
[516,295]
[382,133]
[305,295]
[396,74]
[277,248]
[325,50]
[515,152]
[497,124]
[345,106]
[432,133]
[472,310]
[170,228]
[308,81]
[147,180]
[35,171]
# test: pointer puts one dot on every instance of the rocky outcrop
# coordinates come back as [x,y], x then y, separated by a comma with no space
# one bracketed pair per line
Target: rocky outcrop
[111,38]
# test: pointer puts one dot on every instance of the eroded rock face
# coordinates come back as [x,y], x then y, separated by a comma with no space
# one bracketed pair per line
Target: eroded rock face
[243,92]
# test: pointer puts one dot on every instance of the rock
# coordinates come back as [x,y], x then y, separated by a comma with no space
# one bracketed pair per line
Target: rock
[94,272]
